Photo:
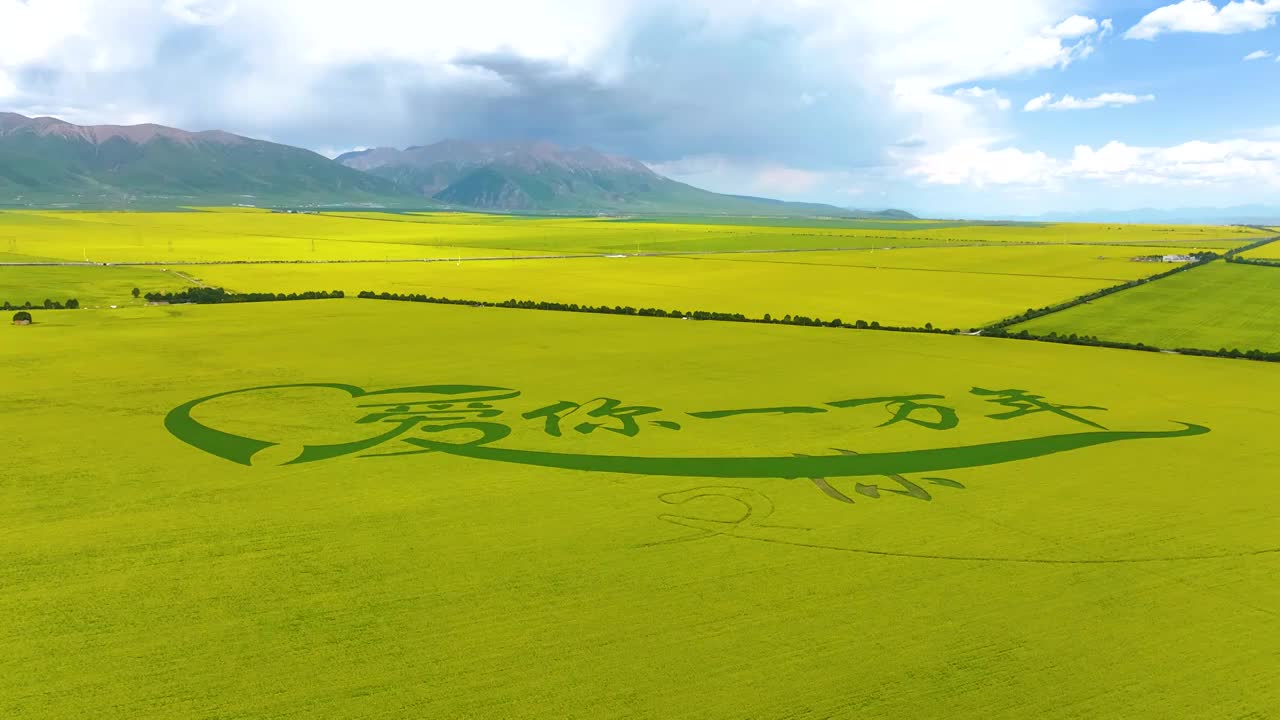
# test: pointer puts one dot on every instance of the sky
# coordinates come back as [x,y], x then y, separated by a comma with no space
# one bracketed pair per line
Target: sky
[942,107]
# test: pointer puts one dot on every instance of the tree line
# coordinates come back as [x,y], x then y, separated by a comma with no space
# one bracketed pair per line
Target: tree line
[1233,255]
[1264,262]
[217,295]
[1094,341]
[72,304]
[1237,255]
[998,332]
[1000,329]
[803,320]
[1033,313]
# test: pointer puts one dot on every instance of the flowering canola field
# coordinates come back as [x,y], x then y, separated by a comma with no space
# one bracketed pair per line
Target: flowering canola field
[363,508]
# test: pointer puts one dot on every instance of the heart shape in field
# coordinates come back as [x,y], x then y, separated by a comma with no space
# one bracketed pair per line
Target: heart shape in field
[386,414]
[434,409]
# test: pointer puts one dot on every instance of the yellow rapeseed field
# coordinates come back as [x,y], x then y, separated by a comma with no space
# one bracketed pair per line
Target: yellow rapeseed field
[378,509]
[145,572]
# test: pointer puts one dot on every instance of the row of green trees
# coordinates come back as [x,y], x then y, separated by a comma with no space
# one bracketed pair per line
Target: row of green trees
[1094,341]
[999,332]
[1033,313]
[649,312]
[999,329]
[1265,262]
[72,304]
[216,295]
[1234,255]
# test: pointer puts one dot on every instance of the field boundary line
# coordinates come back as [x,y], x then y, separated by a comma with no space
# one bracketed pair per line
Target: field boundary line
[804,321]
[1204,259]
[1235,257]
[189,279]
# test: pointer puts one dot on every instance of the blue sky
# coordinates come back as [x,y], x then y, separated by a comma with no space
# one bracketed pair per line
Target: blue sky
[1204,89]
[920,104]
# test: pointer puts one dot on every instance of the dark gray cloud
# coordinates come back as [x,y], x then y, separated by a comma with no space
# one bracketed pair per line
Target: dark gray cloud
[815,99]
[684,92]
[677,90]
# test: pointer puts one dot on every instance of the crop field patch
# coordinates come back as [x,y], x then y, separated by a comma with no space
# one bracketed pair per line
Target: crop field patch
[711,283]
[89,284]
[224,237]
[1182,245]
[483,512]
[1078,262]
[693,234]
[1270,251]
[254,235]
[384,489]
[1219,305]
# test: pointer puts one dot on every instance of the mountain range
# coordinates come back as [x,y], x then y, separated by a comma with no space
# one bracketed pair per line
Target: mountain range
[1237,215]
[542,177]
[47,162]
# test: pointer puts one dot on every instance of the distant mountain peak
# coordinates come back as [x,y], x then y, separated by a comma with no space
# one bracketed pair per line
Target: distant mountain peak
[98,134]
[528,155]
[541,176]
[47,160]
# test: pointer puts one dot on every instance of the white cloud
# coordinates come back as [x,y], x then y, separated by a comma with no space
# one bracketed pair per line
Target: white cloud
[1073,27]
[1038,102]
[937,46]
[268,67]
[1195,163]
[201,12]
[1042,52]
[1248,163]
[1202,16]
[663,80]
[1110,159]
[980,166]
[1070,102]
[1257,55]
[1111,99]
[751,178]
[988,95]
[925,48]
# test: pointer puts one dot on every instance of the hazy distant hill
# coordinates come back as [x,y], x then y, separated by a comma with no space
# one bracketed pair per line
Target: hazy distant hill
[46,160]
[1236,215]
[542,177]
[883,214]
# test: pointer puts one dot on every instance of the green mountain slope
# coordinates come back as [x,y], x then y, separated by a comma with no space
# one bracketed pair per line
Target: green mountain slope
[44,160]
[541,177]
[48,162]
